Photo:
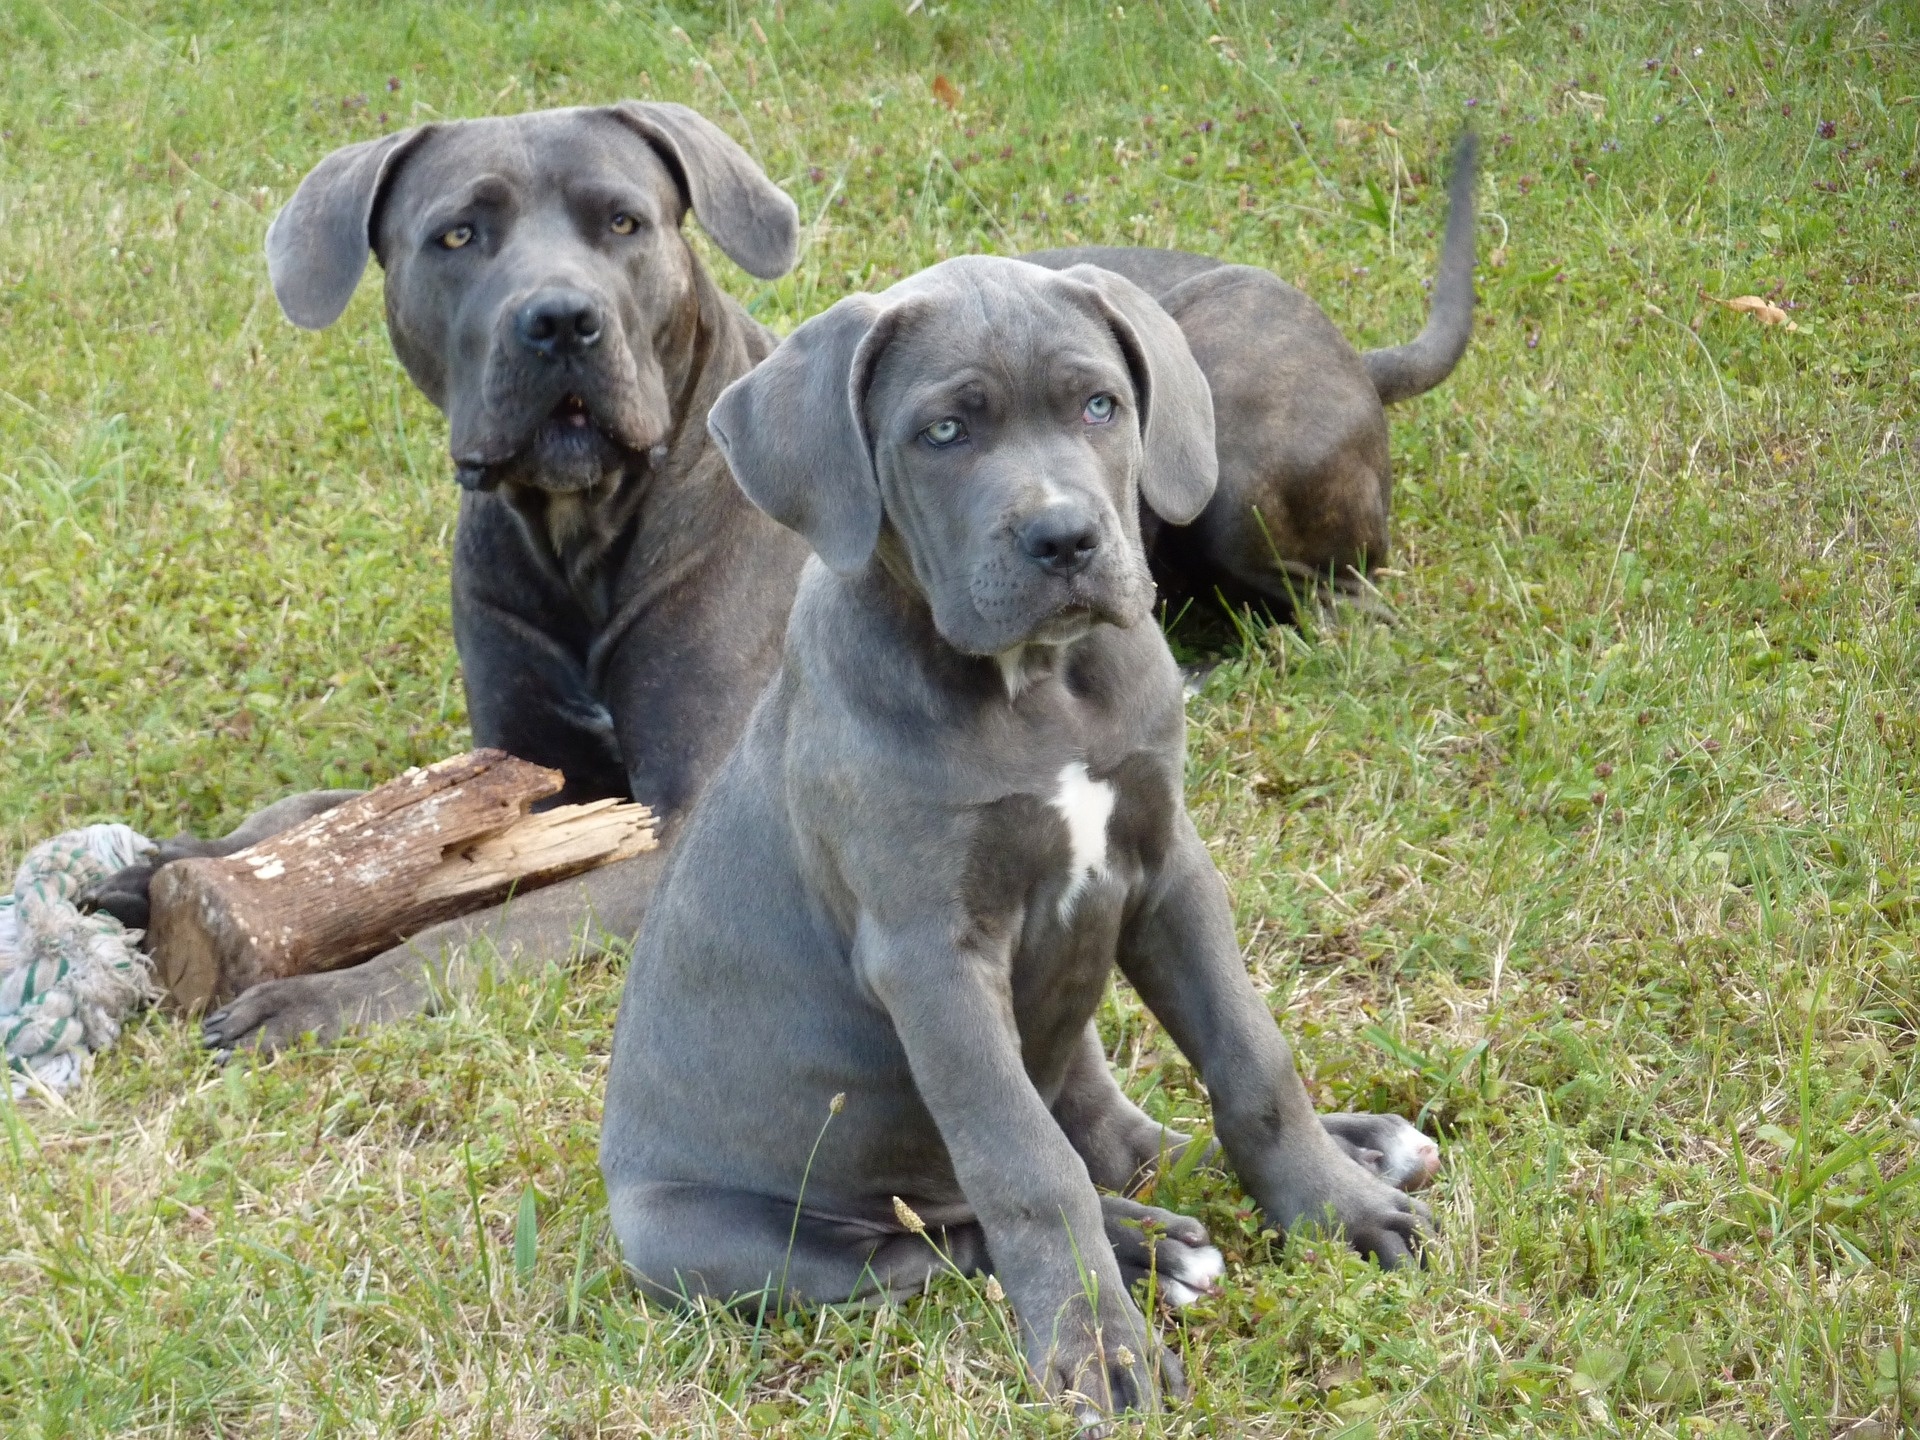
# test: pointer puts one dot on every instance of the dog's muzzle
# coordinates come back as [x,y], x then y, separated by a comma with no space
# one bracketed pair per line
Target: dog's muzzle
[1061,539]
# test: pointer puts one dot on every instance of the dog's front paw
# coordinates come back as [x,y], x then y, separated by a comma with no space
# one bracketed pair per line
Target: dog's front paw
[1388,1145]
[1170,1250]
[275,1013]
[123,895]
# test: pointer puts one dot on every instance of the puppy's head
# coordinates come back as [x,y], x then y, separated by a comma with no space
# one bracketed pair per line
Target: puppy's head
[536,277]
[984,428]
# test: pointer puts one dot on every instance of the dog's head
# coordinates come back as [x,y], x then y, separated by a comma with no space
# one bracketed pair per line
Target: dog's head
[985,429]
[537,280]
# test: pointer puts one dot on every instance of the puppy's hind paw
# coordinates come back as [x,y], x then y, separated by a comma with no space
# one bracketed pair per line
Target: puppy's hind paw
[1388,1145]
[1189,1273]
[1170,1250]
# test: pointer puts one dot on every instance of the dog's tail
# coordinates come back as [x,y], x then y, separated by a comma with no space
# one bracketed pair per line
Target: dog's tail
[1403,371]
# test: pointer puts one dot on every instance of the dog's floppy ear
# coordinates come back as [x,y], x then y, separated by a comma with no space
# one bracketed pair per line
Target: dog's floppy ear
[1179,466]
[317,245]
[794,430]
[748,216]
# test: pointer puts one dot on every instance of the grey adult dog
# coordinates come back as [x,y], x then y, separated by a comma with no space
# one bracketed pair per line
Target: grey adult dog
[617,602]
[1306,484]
[614,598]
[955,809]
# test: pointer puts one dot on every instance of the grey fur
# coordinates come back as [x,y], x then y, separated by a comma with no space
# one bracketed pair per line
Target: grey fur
[632,674]
[902,886]
[1403,371]
[1306,486]
[317,246]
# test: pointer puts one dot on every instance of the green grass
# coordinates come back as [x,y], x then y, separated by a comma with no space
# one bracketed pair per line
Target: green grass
[1603,859]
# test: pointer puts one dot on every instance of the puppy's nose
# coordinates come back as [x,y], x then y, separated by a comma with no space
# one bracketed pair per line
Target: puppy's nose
[1061,539]
[558,322]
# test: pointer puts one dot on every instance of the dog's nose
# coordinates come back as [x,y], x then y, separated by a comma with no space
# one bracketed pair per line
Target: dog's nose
[558,322]
[1061,539]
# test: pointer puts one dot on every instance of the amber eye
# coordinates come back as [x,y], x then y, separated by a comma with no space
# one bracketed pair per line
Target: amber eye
[456,237]
[624,224]
[1099,410]
[944,432]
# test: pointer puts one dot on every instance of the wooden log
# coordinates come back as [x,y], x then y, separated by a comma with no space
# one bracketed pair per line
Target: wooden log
[435,843]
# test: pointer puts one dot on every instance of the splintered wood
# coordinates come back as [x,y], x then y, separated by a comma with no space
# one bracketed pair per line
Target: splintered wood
[358,879]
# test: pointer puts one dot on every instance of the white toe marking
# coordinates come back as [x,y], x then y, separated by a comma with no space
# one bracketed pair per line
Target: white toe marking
[1176,1294]
[1412,1159]
[1199,1267]
[1086,805]
[1413,1166]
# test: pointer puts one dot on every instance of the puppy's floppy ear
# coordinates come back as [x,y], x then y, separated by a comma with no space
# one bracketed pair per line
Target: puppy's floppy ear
[1179,466]
[317,245]
[748,216]
[794,430]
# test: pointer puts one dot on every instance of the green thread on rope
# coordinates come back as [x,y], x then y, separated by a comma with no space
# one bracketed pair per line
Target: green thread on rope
[67,979]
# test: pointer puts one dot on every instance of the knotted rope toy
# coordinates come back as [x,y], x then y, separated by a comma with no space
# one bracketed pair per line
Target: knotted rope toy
[67,979]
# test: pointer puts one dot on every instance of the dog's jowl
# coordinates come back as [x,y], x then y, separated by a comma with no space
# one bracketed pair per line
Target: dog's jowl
[955,810]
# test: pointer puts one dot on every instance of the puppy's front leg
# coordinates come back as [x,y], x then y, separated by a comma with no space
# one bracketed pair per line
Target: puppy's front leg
[1182,957]
[952,1009]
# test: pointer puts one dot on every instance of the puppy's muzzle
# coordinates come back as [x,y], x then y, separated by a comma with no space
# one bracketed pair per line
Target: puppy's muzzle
[1061,539]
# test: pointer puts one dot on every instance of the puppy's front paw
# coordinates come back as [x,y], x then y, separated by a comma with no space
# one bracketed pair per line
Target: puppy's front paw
[1388,1145]
[1322,1185]
[1115,1368]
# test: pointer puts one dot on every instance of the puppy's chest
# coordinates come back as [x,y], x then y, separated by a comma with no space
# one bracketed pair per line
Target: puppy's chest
[1069,853]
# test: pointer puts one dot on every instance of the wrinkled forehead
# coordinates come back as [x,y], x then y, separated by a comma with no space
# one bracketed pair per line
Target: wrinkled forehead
[546,152]
[996,328]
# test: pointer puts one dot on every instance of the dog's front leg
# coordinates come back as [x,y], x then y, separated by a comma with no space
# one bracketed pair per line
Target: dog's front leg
[552,926]
[1181,955]
[125,893]
[953,1011]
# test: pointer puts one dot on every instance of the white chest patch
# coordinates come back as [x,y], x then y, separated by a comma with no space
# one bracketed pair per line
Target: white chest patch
[1086,805]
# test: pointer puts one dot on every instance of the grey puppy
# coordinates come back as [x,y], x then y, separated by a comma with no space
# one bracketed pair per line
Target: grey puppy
[955,810]
[1306,485]
[617,603]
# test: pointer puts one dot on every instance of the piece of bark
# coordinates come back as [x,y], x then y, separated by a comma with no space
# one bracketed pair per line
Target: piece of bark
[436,843]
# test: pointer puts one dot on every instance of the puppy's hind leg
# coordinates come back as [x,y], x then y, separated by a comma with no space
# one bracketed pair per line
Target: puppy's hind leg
[689,1242]
[1121,1144]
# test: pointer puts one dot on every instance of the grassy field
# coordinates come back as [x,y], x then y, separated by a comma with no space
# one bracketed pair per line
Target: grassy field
[1603,861]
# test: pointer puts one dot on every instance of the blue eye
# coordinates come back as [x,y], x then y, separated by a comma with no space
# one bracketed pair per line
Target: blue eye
[944,432]
[1099,410]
